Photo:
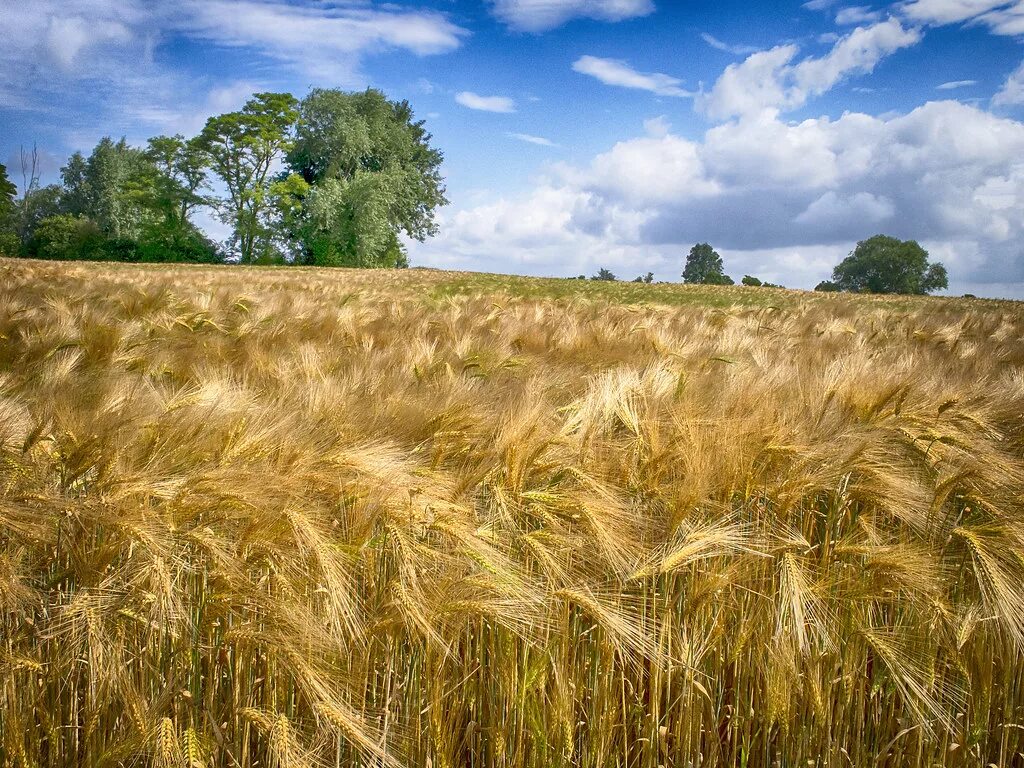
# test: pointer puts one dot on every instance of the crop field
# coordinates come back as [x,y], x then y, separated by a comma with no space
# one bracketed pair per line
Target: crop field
[277,518]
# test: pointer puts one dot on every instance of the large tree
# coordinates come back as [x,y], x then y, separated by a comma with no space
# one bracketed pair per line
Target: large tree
[243,149]
[883,264]
[180,166]
[704,265]
[112,187]
[372,176]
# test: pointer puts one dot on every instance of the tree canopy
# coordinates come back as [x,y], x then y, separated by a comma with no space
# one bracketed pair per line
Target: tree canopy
[372,176]
[883,264]
[336,179]
[704,265]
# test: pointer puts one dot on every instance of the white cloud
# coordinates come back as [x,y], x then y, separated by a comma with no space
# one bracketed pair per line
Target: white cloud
[98,61]
[69,36]
[543,15]
[948,11]
[857,14]
[321,40]
[472,100]
[736,50]
[769,80]
[1012,92]
[540,141]
[621,74]
[786,201]
[1002,17]
[954,84]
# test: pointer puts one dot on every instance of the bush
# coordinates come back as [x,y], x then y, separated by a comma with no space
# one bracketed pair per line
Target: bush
[826,286]
[66,238]
[604,274]
[751,281]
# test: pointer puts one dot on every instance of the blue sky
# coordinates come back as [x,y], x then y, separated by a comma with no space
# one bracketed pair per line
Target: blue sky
[588,133]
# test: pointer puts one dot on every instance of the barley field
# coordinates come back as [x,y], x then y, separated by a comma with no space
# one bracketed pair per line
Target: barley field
[287,517]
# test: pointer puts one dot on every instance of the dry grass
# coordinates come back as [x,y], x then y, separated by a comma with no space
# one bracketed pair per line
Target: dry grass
[288,517]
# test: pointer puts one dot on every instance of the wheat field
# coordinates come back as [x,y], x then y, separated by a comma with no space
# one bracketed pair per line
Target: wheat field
[287,517]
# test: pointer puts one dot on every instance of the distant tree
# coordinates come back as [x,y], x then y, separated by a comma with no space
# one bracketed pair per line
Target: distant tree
[826,286]
[604,274]
[242,148]
[704,265]
[883,264]
[372,176]
[751,281]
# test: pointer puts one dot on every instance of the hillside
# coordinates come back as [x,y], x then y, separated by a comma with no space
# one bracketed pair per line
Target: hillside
[297,517]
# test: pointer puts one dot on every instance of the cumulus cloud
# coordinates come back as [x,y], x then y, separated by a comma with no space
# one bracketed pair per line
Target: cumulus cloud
[770,80]
[800,194]
[470,100]
[620,73]
[543,15]
[1012,92]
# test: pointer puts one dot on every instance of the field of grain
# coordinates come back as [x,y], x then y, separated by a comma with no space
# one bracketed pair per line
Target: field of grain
[286,517]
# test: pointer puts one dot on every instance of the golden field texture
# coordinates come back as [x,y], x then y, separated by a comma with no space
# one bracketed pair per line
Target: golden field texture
[286,518]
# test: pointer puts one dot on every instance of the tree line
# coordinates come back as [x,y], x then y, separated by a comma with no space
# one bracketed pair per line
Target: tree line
[880,264]
[332,180]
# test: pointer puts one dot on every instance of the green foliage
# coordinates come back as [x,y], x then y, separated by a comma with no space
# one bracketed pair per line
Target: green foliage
[704,266]
[751,281]
[241,148]
[372,175]
[883,264]
[113,187]
[35,206]
[7,193]
[181,175]
[9,242]
[648,278]
[363,173]
[604,274]
[65,237]
[826,286]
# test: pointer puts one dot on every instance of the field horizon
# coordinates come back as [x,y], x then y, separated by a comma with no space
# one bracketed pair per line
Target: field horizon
[292,516]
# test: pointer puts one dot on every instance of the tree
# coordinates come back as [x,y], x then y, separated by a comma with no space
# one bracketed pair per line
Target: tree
[883,264]
[604,274]
[242,148]
[113,187]
[180,165]
[704,265]
[8,237]
[826,286]
[372,176]
[751,281]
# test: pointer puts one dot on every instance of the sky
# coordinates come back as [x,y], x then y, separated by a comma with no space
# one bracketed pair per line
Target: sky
[581,134]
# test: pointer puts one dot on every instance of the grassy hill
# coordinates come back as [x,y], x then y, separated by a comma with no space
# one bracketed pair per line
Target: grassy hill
[292,517]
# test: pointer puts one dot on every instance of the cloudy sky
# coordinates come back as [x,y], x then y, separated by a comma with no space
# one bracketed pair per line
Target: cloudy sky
[588,133]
